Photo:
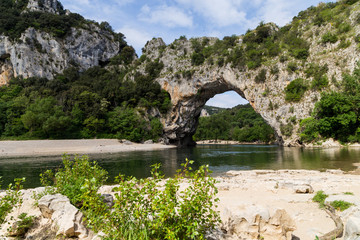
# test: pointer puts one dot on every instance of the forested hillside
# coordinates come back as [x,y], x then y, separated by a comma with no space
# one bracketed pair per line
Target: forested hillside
[99,102]
[299,77]
[240,123]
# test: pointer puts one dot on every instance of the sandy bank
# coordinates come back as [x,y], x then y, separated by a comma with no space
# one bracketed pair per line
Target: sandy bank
[59,147]
[240,191]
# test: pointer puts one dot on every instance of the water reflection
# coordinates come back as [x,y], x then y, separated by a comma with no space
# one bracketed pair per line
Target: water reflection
[221,158]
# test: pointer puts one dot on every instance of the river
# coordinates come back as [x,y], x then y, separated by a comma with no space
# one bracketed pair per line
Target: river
[220,158]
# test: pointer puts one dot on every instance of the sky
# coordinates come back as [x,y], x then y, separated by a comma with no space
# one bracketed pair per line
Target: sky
[141,20]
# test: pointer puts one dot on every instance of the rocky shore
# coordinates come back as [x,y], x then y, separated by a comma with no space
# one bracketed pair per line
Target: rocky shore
[258,204]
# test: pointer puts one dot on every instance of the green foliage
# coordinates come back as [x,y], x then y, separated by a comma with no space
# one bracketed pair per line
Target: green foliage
[14,21]
[344,44]
[341,205]
[292,67]
[329,38]
[309,130]
[295,90]
[319,83]
[197,59]
[240,123]
[79,105]
[344,27]
[75,178]
[152,208]
[286,129]
[320,197]
[297,46]
[11,199]
[24,223]
[165,212]
[126,123]
[336,115]
[320,79]
[261,77]
[126,56]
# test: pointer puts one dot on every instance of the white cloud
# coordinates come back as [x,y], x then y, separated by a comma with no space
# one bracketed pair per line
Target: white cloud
[226,100]
[165,15]
[278,11]
[137,38]
[221,13]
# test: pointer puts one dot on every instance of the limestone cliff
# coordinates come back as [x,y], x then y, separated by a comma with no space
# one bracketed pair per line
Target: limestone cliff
[39,53]
[319,46]
[191,85]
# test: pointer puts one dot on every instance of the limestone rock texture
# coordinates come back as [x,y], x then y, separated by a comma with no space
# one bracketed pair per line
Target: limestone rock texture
[66,219]
[52,6]
[191,86]
[39,54]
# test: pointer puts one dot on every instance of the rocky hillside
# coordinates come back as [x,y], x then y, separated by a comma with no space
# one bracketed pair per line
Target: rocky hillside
[282,72]
[44,40]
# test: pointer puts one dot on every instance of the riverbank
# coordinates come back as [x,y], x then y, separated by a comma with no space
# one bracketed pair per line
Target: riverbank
[231,142]
[81,146]
[248,198]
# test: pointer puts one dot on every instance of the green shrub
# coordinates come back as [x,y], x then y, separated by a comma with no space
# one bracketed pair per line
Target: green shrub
[11,199]
[295,90]
[286,129]
[329,38]
[344,44]
[344,27]
[24,223]
[309,130]
[197,59]
[166,213]
[75,178]
[300,53]
[320,197]
[292,67]
[320,82]
[151,208]
[261,77]
[341,205]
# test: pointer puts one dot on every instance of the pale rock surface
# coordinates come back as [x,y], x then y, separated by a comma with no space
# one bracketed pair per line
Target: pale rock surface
[343,197]
[51,6]
[66,219]
[352,229]
[255,222]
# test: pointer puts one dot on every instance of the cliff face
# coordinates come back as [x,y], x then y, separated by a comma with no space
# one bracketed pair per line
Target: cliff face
[191,85]
[258,65]
[38,53]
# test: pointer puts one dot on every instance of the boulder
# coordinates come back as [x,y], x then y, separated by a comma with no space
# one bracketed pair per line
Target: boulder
[108,199]
[256,223]
[303,188]
[352,229]
[149,142]
[66,219]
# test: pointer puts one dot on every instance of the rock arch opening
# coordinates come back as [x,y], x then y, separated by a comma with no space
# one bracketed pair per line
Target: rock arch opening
[186,113]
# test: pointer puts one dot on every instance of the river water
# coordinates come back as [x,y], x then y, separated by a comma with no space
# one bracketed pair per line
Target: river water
[220,158]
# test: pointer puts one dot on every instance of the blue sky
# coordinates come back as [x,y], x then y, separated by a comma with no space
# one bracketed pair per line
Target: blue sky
[141,20]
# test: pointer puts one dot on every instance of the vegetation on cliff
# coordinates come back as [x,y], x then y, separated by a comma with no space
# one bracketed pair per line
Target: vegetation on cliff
[15,19]
[95,103]
[240,123]
[337,113]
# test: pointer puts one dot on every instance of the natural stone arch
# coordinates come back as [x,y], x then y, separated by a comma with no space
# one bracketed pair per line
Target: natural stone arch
[191,86]
[182,122]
